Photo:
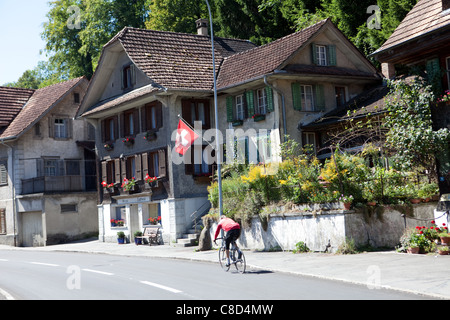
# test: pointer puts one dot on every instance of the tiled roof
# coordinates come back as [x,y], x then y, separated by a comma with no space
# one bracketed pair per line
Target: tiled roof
[39,103]
[12,101]
[369,102]
[327,71]
[122,99]
[177,60]
[262,60]
[425,17]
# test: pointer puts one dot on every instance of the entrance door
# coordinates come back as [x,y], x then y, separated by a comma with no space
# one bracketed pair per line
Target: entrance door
[32,235]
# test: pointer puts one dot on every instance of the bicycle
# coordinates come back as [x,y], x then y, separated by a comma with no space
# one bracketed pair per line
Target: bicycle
[239,262]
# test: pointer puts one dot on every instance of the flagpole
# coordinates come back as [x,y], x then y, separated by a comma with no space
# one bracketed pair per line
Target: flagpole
[218,149]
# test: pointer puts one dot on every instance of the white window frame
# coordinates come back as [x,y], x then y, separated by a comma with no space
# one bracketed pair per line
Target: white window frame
[60,128]
[261,97]
[240,112]
[309,138]
[321,55]
[307,97]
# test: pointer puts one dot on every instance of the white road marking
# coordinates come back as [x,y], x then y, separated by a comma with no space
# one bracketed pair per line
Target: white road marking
[4,260]
[6,295]
[45,264]
[100,272]
[161,287]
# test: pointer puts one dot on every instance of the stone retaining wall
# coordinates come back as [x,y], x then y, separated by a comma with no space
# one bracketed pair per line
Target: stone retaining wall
[326,227]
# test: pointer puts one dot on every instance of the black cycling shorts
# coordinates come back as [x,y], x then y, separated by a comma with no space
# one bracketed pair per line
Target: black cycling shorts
[231,236]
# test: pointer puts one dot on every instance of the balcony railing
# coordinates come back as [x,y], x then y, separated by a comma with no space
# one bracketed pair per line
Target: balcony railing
[52,184]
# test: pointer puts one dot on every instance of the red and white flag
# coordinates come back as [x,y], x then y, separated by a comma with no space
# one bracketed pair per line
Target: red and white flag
[185,138]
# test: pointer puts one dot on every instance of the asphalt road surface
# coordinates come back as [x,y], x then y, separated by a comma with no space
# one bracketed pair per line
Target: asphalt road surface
[77,276]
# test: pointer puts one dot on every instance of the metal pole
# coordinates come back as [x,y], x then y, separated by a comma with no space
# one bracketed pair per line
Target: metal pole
[218,147]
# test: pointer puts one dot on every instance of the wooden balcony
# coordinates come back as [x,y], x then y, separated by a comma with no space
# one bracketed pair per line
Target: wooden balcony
[53,184]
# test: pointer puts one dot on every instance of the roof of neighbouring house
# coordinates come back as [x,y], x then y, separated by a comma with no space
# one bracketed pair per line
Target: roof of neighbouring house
[425,17]
[41,101]
[12,101]
[265,59]
[177,60]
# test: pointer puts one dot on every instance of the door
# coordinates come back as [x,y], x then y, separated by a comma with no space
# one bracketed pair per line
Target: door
[32,234]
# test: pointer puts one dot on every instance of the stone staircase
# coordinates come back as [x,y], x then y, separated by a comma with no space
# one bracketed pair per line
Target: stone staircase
[190,238]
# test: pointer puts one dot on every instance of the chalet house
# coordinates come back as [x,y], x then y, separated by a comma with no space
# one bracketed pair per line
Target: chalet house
[422,43]
[281,87]
[146,79]
[47,185]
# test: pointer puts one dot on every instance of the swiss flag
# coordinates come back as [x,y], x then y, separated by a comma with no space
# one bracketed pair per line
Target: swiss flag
[185,138]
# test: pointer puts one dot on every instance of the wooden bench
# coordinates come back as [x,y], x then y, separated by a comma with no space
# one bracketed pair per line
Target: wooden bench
[151,234]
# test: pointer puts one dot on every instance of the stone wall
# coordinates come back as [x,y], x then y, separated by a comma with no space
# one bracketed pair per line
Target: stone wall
[325,228]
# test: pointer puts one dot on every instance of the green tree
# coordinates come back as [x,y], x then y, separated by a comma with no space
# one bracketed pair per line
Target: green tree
[76,30]
[413,142]
[177,15]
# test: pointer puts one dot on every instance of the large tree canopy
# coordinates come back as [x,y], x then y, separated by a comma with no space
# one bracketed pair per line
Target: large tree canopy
[77,30]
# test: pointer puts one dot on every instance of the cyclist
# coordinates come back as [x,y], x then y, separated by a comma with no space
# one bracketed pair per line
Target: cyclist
[233,230]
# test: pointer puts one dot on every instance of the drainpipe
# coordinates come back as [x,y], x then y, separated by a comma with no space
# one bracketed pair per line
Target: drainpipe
[13,190]
[283,106]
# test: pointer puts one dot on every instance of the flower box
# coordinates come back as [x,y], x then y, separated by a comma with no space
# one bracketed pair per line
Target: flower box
[237,123]
[259,117]
[109,146]
[151,135]
[128,141]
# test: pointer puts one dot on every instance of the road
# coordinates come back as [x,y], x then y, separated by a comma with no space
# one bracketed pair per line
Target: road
[77,276]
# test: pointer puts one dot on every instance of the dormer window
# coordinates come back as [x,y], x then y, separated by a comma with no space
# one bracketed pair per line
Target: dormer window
[128,77]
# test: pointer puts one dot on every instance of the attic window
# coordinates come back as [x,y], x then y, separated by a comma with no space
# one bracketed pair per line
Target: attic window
[76,97]
[323,55]
[128,77]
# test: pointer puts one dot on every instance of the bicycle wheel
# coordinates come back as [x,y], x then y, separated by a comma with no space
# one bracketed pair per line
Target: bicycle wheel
[223,259]
[239,262]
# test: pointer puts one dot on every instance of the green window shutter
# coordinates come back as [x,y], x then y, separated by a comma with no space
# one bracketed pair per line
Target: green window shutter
[319,97]
[230,109]
[269,93]
[434,74]
[296,96]
[314,54]
[331,54]
[250,103]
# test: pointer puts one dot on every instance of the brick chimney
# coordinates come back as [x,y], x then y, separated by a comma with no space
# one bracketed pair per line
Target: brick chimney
[445,5]
[202,27]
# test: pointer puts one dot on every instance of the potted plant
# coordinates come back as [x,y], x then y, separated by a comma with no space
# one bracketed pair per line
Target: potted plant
[154,221]
[128,184]
[259,117]
[121,237]
[128,141]
[347,201]
[152,181]
[445,238]
[137,240]
[108,146]
[444,250]
[151,135]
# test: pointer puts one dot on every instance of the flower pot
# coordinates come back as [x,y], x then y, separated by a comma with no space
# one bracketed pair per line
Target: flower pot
[445,240]
[443,252]
[138,241]
[415,201]
[372,203]
[413,250]
[120,240]
[347,205]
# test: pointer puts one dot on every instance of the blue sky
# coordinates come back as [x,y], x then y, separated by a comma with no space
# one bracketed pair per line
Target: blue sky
[20,41]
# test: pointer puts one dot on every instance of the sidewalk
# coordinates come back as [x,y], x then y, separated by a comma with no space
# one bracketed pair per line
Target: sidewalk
[422,274]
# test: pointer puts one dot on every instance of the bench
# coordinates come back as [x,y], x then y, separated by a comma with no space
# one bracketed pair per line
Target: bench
[151,234]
